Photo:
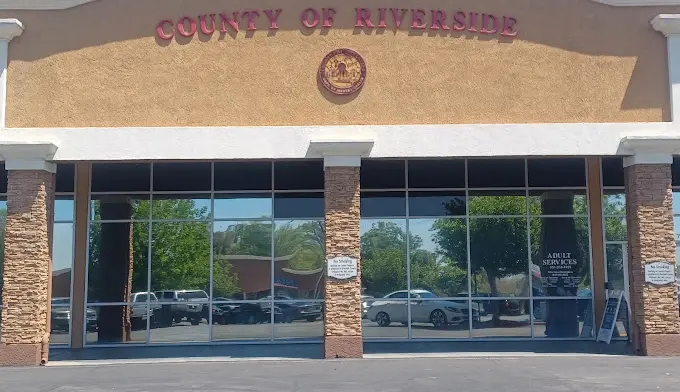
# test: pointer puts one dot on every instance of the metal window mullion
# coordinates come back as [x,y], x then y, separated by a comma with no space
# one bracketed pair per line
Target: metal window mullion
[212,258]
[271,265]
[148,259]
[590,238]
[469,262]
[87,258]
[408,256]
[529,276]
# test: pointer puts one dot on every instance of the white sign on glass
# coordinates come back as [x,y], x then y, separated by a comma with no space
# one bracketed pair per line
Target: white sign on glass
[659,272]
[342,267]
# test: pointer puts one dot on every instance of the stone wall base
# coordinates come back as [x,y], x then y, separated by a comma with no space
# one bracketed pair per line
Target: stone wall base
[343,347]
[661,345]
[20,354]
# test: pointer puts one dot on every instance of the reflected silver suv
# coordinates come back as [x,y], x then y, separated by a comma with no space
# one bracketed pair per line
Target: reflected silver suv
[189,304]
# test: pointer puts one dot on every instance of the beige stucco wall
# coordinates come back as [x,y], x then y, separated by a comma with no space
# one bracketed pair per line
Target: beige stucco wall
[100,64]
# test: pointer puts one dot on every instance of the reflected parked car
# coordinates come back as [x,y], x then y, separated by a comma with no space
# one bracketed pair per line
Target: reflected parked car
[393,308]
[60,318]
[292,310]
[185,304]
[241,313]
[138,312]
[365,304]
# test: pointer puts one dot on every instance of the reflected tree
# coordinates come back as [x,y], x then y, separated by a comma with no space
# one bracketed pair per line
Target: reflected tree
[497,245]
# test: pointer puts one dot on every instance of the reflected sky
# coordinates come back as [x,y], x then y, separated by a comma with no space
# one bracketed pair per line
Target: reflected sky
[62,240]
[62,246]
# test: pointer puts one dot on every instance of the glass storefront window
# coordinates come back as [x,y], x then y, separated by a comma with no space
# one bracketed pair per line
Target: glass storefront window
[505,318]
[299,258]
[498,256]
[450,253]
[383,256]
[560,257]
[195,265]
[438,256]
[471,264]
[242,260]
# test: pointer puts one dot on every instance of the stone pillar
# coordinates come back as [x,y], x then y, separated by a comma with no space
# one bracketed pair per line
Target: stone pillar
[342,313]
[27,268]
[649,218]
[342,308]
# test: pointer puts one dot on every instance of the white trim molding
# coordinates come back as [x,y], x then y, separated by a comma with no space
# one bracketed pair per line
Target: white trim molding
[669,26]
[9,28]
[28,155]
[650,149]
[41,5]
[295,142]
[638,3]
[340,152]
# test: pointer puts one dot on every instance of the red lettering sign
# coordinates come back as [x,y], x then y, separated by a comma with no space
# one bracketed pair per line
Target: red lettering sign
[440,19]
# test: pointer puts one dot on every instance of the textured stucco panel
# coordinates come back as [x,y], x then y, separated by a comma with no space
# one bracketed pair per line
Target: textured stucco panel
[27,257]
[100,64]
[651,238]
[342,317]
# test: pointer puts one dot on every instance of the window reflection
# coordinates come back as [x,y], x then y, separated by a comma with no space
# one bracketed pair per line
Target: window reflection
[499,257]
[614,203]
[386,317]
[299,250]
[506,318]
[243,206]
[383,256]
[438,318]
[180,256]
[497,203]
[117,324]
[118,261]
[119,207]
[62,259]
[242,260]
[183,207]
[615,229]
[562,202]
[60,321]
[297,320]
[438,256]
[234,321]
[64,208]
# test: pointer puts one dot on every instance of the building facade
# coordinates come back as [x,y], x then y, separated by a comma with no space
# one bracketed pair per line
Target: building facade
[210,173]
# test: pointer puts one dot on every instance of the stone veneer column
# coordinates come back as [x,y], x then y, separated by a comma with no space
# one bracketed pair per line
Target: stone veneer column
[651,238]
[342,308]
[27,268]
[342,311]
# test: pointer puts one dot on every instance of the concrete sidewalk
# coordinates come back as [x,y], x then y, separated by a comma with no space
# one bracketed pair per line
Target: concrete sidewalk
[574,372]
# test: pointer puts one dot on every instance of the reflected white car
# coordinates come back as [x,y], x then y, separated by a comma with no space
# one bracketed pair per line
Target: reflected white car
[393,308]
[366,304]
